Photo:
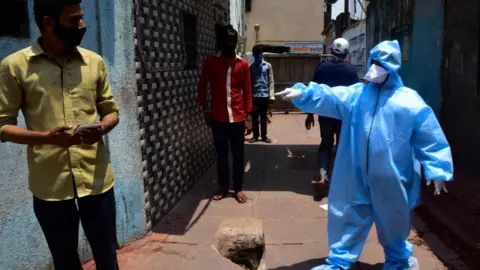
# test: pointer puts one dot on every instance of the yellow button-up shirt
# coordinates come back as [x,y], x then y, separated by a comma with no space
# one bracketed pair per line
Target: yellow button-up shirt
[52,94]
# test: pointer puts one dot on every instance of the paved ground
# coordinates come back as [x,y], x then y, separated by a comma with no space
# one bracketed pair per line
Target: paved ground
[278,182]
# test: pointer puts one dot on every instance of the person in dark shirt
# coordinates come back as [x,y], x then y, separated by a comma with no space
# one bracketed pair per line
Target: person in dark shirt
[335,72]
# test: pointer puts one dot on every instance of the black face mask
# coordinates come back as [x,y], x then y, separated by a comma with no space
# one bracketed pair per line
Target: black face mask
[228,51]
[72,37]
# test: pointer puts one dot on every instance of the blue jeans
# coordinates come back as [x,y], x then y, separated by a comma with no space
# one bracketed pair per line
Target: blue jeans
[329,127]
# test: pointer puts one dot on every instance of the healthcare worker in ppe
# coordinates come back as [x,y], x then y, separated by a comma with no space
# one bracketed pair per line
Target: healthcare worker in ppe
[387,133]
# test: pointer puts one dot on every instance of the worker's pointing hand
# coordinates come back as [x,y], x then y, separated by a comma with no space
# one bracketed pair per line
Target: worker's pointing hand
[439,186]
[289,94]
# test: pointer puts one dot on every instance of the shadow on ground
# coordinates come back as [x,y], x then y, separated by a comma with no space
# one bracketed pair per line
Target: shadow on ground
[288,169]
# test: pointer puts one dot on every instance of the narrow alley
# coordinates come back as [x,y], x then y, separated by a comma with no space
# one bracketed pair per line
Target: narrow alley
[112,113]
[278,183]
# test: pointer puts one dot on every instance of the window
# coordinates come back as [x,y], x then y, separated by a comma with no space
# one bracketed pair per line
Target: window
[190,40]
[14,18]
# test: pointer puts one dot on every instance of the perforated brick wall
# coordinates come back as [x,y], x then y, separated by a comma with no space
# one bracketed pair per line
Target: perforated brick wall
[176,145]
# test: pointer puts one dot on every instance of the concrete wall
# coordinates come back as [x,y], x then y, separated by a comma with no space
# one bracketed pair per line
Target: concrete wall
[285,20]
[21,240]
[418,26]
[461,95]
[426,51]
[383,16]
[117,42]
[357,52]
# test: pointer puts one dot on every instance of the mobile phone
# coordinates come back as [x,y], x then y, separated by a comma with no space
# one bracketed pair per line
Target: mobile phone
[82,128]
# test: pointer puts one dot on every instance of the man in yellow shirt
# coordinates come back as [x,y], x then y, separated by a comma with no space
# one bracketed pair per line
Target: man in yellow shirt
[59,86]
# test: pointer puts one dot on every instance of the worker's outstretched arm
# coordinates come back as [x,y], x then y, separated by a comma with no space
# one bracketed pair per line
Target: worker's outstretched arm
[431,147]
[334,102]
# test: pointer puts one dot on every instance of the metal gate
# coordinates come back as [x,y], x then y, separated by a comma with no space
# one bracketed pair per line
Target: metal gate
[176,145]
[291,69]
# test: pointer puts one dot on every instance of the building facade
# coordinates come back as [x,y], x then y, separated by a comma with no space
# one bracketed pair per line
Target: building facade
[337,22]
[285,21]
[154,51]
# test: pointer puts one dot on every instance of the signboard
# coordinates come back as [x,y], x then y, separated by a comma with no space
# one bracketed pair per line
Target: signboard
[306,47]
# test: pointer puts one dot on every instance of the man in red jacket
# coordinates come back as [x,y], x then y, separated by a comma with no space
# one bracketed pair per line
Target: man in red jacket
[231,91]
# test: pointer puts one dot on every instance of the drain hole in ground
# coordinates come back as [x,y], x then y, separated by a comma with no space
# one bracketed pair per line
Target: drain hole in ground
[248,258]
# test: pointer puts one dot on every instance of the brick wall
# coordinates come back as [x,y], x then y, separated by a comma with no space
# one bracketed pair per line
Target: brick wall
[176,145]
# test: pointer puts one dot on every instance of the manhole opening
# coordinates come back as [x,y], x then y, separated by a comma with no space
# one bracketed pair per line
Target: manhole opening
[249,259]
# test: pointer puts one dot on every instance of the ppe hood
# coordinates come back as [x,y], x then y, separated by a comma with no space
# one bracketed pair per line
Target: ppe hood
[389,55]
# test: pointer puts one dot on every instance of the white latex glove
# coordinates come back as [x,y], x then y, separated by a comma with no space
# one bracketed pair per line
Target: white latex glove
[439,186]
[289,94]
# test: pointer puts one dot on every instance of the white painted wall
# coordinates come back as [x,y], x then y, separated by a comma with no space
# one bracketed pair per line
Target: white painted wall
[284,21]
[236,15]
[357,52]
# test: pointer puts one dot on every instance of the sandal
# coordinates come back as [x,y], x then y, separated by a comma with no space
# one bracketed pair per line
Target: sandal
[241,197]
[254,140]
[219,194]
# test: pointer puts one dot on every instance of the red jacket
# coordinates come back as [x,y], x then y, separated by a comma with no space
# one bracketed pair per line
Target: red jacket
[230,86]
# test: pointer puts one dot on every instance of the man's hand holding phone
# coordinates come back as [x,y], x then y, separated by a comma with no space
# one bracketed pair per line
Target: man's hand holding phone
[60,137]
[90,134]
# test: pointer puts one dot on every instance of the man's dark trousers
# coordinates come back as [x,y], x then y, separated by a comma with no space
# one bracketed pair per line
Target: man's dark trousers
[59,221]
[329,127]
[261,110]
[229,136]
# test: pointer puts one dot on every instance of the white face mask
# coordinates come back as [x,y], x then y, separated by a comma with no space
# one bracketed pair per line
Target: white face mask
[376,74]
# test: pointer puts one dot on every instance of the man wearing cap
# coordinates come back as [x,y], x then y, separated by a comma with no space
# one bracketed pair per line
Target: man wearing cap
[58,86]
[335,72]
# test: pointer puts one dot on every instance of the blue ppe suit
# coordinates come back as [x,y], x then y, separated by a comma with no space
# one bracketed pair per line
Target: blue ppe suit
[387,134]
